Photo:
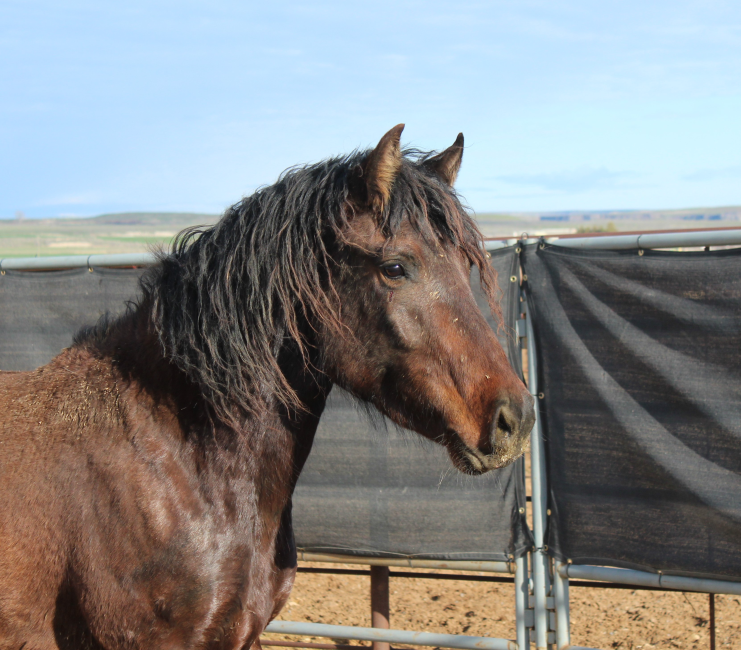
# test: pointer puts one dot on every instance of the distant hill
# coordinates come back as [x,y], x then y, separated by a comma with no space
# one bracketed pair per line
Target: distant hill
[731,213]
[153,218]
[514,224]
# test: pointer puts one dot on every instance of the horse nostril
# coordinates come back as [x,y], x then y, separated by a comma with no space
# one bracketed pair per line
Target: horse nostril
[511,421]
[505,426]
[503,429]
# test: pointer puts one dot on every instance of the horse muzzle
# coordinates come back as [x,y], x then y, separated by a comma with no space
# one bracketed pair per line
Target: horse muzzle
[507,439]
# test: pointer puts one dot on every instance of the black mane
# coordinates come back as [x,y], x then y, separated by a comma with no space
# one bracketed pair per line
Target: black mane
[225,299]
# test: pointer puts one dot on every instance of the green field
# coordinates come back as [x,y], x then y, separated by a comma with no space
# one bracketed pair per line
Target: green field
[143,231]
[108,233]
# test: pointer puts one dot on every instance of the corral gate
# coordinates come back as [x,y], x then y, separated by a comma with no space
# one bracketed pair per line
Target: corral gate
[636,355]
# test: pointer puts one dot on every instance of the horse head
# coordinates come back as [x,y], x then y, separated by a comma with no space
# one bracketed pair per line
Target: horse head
[354,270]
[414,343]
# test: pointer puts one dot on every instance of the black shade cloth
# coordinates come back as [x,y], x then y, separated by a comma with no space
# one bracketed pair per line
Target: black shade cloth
[41,311]
[364,490]
[640,368]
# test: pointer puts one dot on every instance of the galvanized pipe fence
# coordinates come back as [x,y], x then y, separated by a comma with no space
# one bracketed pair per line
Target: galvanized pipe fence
[541,583]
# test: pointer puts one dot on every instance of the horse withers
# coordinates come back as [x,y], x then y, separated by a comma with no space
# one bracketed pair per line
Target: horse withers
[146,472]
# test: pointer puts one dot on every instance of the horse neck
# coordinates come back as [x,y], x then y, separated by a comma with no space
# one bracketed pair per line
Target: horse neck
[272,444]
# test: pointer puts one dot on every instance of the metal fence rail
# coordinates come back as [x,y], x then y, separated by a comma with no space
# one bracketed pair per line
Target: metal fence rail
[454,565]
[668,239]
[76,261]
[391,636]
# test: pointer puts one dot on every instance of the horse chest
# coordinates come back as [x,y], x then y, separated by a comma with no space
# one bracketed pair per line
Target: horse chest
[211,591]
[193,567]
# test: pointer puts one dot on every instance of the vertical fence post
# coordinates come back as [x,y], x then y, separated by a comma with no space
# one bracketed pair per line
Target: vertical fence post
[522,572]
[561,604]
[522,592]
[541,580]
[379,588]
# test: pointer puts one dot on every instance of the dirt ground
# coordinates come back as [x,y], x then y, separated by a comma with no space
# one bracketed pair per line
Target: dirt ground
[600,618]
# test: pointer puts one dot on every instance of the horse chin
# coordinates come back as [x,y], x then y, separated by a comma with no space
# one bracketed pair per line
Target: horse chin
[473,462]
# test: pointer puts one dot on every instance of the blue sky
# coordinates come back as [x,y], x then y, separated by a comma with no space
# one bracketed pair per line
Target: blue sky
[158,105]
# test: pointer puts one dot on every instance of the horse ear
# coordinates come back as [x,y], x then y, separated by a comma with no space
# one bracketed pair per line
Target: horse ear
[447,163]
[381,167]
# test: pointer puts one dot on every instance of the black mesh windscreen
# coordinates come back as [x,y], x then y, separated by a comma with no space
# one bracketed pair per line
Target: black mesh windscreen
[640,369]
[41,311]
[365,490]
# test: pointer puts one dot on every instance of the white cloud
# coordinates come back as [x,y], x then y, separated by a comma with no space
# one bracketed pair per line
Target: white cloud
[576,180]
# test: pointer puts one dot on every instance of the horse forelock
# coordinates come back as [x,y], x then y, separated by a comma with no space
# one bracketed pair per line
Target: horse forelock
[226,299]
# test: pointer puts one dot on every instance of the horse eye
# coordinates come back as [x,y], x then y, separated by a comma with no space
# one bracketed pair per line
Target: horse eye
[394,271]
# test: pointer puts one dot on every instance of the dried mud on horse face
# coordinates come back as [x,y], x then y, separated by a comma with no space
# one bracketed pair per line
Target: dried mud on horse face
[147,471]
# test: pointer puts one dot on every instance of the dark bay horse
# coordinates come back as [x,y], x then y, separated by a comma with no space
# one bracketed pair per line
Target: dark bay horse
[146,472]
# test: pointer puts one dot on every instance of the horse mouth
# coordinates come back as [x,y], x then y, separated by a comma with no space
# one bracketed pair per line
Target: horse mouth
[474,462]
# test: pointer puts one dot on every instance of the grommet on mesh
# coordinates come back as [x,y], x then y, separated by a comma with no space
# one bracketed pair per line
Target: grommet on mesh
[513,278]
[518,250]
[541,246]
[640,251]
[524,277]
[2,272]
[541,395]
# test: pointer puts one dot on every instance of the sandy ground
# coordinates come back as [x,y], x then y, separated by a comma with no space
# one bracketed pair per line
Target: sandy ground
[600,618]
